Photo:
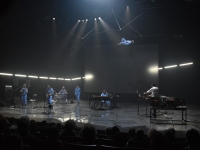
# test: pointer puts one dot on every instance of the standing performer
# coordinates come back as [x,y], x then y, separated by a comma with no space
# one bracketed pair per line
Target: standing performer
[153,91]
[105,94]
[49,95]
[77,92]
[24,92]
[63,93]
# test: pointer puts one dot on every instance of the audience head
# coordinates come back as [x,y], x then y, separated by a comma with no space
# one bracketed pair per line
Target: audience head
[193,138]
[44,123]
[88,133]
[108,130]
[33,126]
[115,130]
[3,123]
[120,139]
[23,125]
[131,132]
[158,142]
[70,125]
[139,133]
[151,133]
[170,134]
[12,141]
[53,133]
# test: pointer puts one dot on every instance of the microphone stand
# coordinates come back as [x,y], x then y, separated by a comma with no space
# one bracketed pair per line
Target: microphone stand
[44,112]
[13,94]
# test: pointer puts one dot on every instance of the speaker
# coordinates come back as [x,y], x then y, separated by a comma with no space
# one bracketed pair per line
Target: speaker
[3,104]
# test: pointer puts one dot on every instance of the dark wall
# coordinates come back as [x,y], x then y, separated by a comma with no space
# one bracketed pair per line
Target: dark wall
[182,82]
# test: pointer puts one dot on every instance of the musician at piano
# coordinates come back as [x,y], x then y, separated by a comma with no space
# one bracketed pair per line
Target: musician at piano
[63,93]
[24,91]
[105,94]
[152,92]
[49,95]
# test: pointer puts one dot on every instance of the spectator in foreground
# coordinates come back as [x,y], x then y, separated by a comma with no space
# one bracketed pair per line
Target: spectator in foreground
[151,133]
[193,139]
[120,140]
[115,130]
[88,133]
[69,128]
[158,142]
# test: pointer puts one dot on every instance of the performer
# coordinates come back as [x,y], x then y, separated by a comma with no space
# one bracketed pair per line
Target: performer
[77,92]
[24,92]
[152,92]
[125,42]
[105,94]
[63,93]
[49,95]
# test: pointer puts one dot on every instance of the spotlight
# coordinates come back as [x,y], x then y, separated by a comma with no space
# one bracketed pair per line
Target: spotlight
[83,20]
[79,20]
[54,18]
[95,19]
[86,20]
[99,17]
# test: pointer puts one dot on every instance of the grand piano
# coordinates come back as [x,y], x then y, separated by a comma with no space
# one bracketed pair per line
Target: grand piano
[99,102]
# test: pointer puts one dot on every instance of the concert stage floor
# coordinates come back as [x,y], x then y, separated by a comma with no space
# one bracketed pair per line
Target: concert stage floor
[124,116]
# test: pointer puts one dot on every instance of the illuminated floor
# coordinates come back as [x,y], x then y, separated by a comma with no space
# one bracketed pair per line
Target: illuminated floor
[124,116]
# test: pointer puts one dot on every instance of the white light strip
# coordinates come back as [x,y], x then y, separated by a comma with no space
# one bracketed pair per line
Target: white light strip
[61,79]
[76,78]
[33,76]
[186,64]
[171,66]
[67,79]
[83,77]
[43,77]
[52,78]
[20,75]
[8,85]
[6,74]
[160,68]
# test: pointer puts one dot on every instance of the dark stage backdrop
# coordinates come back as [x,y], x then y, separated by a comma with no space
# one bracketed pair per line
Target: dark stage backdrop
[121,69]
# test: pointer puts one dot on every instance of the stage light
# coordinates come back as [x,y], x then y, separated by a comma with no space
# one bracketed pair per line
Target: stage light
[79,20]
[86,20]
[83,20]
[6,74]
[99,18]
[83,77]
[67,79]
[8,86]
[43,77]
[54,18]
[186,64]
[170,66]
[95,19]
[89,76]
[52,78]
[76,78]
[153,69]
[160,68]
[20,75]
[33,76]
[61,79]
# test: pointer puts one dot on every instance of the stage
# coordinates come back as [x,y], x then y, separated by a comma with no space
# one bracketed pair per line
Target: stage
[125,115]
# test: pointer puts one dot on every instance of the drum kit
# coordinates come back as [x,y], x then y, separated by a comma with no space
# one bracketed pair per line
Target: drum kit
[59,97]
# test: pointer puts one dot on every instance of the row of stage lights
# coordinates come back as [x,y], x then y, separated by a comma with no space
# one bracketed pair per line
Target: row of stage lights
[87,19]
[78,78]
[83,20]
[173,66]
